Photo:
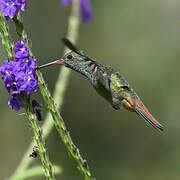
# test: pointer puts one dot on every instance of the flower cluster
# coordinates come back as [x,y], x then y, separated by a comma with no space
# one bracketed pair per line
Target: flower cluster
[86,9]
[11,7]
[19,75]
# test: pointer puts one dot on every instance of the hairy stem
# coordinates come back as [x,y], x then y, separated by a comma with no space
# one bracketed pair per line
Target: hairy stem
[5,36]
[28,108]
[38,138]
[60,88]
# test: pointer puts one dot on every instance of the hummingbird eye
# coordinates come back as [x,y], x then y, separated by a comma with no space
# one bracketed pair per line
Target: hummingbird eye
[69,56]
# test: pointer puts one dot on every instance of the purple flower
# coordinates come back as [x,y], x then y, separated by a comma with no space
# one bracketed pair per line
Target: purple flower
[11,7]
[26,82]
[21,51]
[86,9]
[19,76]
[15,102]
[8,76]
[22,4]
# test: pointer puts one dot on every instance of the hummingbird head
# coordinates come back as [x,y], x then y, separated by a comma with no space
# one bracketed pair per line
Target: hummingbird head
[75,59]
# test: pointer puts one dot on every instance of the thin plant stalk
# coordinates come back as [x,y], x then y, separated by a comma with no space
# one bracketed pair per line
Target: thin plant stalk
[28,108]
[5,36]
[38,138]
[59,91]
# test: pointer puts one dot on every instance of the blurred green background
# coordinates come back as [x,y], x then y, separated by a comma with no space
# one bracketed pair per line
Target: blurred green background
[141,39]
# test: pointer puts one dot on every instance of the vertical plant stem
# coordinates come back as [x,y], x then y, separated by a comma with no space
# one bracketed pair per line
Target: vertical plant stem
[28,108]
[38,138]
[60,87]
[4,35]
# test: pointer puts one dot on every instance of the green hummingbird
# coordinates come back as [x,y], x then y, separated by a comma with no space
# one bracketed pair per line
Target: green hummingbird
[109,83]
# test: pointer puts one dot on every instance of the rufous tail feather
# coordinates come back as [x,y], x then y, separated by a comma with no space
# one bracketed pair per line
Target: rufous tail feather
[137,106]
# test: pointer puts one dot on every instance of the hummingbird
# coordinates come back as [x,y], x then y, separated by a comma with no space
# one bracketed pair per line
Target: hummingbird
[108,82]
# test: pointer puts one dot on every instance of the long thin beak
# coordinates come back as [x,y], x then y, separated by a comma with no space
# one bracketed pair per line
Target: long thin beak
[54,63]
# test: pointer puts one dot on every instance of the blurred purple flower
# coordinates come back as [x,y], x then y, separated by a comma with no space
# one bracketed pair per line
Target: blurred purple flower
[11,7]
[86,9]
[19,76]
[66,2]
[22,4]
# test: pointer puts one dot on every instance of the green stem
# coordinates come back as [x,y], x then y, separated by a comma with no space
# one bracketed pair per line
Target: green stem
[38,137]
[21,32]
[36,128]
[28,107]
[60,88]
[5,36]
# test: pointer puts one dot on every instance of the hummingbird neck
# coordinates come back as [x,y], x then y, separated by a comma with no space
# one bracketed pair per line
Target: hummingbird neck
[86,68]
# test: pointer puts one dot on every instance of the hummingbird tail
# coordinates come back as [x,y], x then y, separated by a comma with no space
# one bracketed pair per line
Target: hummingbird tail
[137,106]
[141,110]
[152,121]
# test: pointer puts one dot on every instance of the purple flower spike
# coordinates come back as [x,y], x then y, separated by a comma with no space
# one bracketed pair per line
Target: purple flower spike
[10,8]
[20,75]
[66,2]
[86,10]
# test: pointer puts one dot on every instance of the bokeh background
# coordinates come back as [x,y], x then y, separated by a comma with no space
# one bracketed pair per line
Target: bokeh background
[141,39]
